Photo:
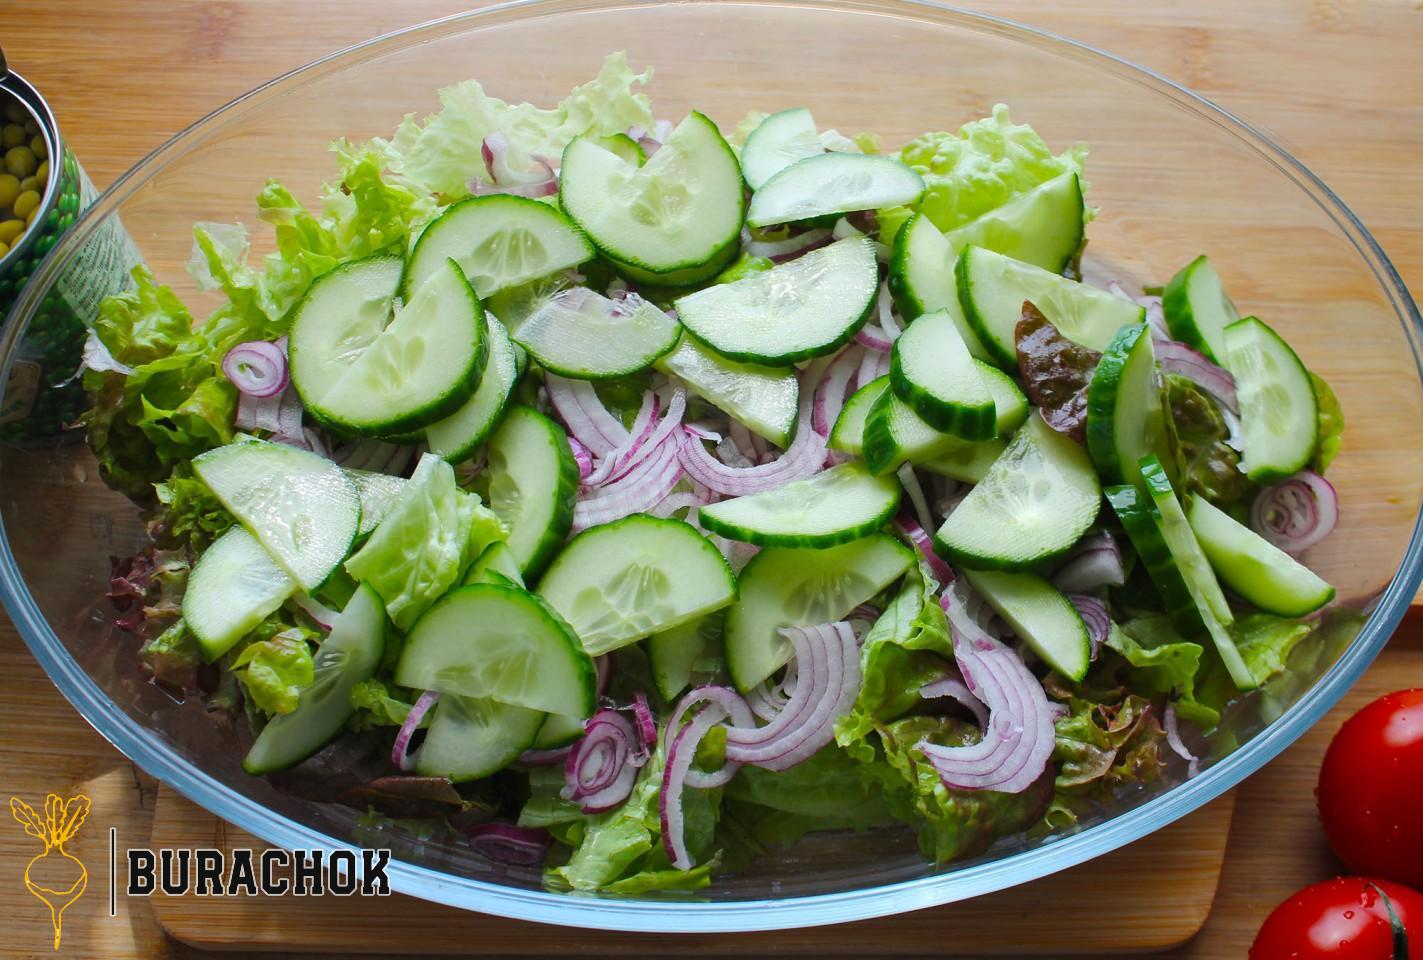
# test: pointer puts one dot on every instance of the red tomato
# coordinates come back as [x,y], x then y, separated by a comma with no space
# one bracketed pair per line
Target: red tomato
[1342,919]
[1371,787]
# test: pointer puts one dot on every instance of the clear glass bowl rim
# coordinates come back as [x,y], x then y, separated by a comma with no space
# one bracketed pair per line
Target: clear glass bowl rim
[144,748]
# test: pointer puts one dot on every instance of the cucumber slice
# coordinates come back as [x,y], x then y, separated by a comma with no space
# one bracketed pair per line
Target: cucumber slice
[1043,227]
[933,372]
[672,655]
[1010,404]
[676,219]
[837,505]
[966,460]
[1198,310]
[776,143]
[473,737]
[625,147]
[1254,568]
[557,730]
[498,241]
[1279,413]
[894,434]
[800,587]
[376,492]
[622,581]
[1124,419]
[495,565]
[992,289]
[806,308]
[1038,498]
[233,587]
[584,335]
[833,183]
[503,643]
[459,435]
[533,483]
[921,278]
[848,434]
[348,656]
[300,506]
[765,399]
[1134,508]
[1040,614]
[1195,569]
[368,378]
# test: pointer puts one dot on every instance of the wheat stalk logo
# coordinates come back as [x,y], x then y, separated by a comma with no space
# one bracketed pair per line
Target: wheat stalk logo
[54,876]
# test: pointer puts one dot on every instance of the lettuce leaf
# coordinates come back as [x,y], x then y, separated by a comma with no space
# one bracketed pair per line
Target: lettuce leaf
[1107,744]
[825,792]
[173,656]
[440,154]
[1331,424]
[188,514]
[984,165]
[1160,660]
[1197,430]
[375,707]
[275,671]
[422,547]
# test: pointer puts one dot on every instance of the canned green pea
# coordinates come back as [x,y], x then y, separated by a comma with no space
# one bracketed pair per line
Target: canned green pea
[42,191]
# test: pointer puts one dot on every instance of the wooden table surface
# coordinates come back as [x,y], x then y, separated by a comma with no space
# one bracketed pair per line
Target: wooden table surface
[1338,82]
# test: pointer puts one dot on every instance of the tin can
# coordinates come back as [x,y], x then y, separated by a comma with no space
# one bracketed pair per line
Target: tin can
[42,396]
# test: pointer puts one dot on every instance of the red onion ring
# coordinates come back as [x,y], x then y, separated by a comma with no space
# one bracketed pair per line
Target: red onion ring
[673,502]
[257,368]
[873,337]
[953,688]
[910,527]
[680,754]
[508,844]
[1177,745]
[602,766]
[581,456]
[803,458]
[1297,513]
[782,251]
[872,367]
[884,305]
[638,491]
[832,390]
[541,182]
[1094,614]
[578,406]
[322,615]
[646,439]
[545,758]
[1094,563]
[1176,357]
[642,714]
[400,750]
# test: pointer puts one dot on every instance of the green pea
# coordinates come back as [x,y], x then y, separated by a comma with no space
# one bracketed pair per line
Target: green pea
[31,183]
[20,162]
[10,229]
[9,189]
[15,113]
[26,202]
[12,135]
[39,148]
[42,171]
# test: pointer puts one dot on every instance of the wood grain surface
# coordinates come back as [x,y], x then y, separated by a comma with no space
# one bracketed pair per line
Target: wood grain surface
[1338,82]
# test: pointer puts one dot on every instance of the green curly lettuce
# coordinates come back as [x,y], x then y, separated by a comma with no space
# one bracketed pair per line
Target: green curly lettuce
[188,513]
[1331,424]
[442,153]
[984,165]
[274,671]
[825,792]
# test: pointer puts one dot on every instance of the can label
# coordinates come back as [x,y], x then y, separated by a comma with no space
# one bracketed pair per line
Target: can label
[101,266]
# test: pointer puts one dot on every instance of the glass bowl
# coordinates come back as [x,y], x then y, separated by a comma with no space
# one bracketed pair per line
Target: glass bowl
[1172,174]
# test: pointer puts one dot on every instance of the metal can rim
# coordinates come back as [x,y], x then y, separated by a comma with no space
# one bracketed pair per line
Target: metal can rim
[29,97]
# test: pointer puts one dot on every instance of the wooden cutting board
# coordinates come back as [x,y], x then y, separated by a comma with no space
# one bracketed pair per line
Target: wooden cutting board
[1046,915]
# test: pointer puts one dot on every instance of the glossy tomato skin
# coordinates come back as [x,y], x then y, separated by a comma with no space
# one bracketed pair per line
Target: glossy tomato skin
[1341,919]
[1371,790]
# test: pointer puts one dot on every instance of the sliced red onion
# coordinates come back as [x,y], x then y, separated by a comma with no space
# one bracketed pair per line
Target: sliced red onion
[701,431]
[581,456]
[602,766]
[953,688]
[1297,513]
[910,481]
[780,251]
[1176,357]
[645,140]
[803,458]
[662,129]
[740,438]
[257,367]
[768,699]
[508,844]
[642,714]
[831,391]
[673,502]
[872,367]
[873,337]
[728,700]
[827,682]
[257,414]
[646,438]
[1177,745]
[1093,613]
[884,304]
[578,406]
[1018,739]
[910,527]
[322,615]
[400,751]
[638,491]
[680,755]
[642,426]
[538,182]
[1094,563]
[289,421]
